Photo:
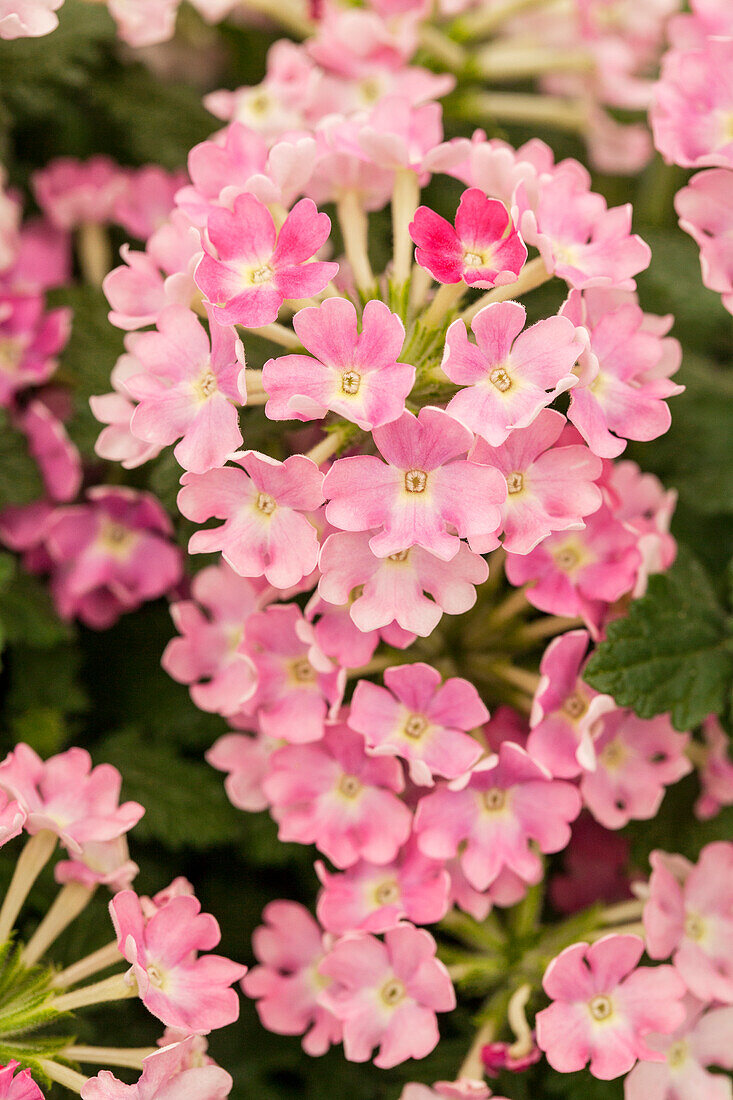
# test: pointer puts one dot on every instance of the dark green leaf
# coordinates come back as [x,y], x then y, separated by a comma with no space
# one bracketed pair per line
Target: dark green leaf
[20,481]
[28,615]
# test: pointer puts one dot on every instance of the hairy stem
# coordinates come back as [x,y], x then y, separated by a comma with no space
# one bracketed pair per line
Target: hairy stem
[70,901]
[32,860]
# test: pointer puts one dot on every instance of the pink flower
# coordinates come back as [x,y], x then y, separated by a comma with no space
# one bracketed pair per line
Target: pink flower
[256,268]
[483,250]
[68,796]
[689,915]
[511,374]
[355,374]
[30,340]
[72,192]
[12,817]
[715,770]
[619,391]
[548,488]
[289,947]
[393,589]
[604,1005]
[57,457]
[642,504]
[463,1089]
[702,1040]
[116,442]
[171,1071]
[246,759]
[265,532]
[146,199]
[398,134]
[565,711]
[491,814]
[100,863]
[692,106]
[595,868]
[372,898]
[211,628]
[498,1056]
[333,795]
[181,988]
[144,22]
[387,994]
[189,388]
[342,640]
[421,720]
[111,554]
[635,760]
[20,1086]
[28,19]
[705,211]
[422,489]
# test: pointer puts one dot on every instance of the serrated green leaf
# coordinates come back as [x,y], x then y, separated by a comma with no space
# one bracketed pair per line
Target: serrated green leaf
[672,652]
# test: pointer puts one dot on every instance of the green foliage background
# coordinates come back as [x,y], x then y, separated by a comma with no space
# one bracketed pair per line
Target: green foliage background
[78,93]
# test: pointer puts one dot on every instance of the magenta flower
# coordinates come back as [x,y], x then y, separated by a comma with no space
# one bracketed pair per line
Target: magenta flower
[483,250]
[387,994]
[355,374]
[66,795]
[246,760]
[181,988]
[421,720]
[490,815]
[171,1071]
[635,760]
[206,654]
[393,589]
[595,868]
[30,340]
[188,389]
[265,532]
[689,915]
[256,268]
[510,375]
[289,948]
[421,490]
[548,488]
[604,1005]
[706,213]
[17,1086]
[372,898]
[692,107]
[716,770]
[333,795]
[565,711]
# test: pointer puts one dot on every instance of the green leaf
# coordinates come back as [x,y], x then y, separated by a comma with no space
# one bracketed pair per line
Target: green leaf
[20,481]
[27,613]
[673,651]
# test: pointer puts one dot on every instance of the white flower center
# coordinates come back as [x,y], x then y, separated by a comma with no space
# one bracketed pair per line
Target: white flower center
[600,1007]
[207,384]
[349,786]
[261,274]
[392,993]
[350,381]
[694,927]
[494,799]
[387,893]
[415,726]
[473,259]
[500,378]
[265,503]
[155,975]
[416,481]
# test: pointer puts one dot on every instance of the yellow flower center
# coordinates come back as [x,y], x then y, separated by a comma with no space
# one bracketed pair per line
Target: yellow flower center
[387,893]
[600,1007]
[515,482]
[401,555]
[265,503]
[349,786]
[392,993]
[415,726]
[500,378]
[261,274]
[303,671]
[575,705]
[494,799]
[416,481]
[350,382]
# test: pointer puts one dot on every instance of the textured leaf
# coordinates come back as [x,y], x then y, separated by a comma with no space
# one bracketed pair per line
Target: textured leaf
[673,651]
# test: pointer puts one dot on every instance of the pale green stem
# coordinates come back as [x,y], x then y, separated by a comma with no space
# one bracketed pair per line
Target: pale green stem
[405,198]
[94,251]
[115,988]
[98,960]
[443,49]
[546,627]
[518,60]
[519,677]
[253,378]
[532,275]
[624,911]
[514,604]
[374,667]
[129,1057]
[472,1066]
[355,232]
[636,928]
[63,1075]
[487,18]
[420,284]
[524,107]
[288,13]
[446,299]
[278,334]
[32,860]
[70,901]
[518,1022]
[328,446]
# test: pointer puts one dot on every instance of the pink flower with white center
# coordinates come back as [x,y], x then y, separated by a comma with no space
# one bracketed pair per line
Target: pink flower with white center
[333,795]
[12,818]
[297,686]
[398,135]
[421,492]
[265,532]
[146,199]
[188,388]
[595,865]
[20,1086]
[565,711]
[706,212]
[580,573]
[73,192]
[393,589]
[693,105]
[689,915]
[30,340]
[181,988]
[549,488]
[111,554]
[211,628]
[372,898]
[604,1005]
[619,391]
[509,375]
[171,1071]
[289,947]
[490,815]
[67,796]
[715,770]
[28,19]
[256,267]
[246,759]
[483,250]
[701,1041]
[421,720]
[100,863]
[646,508]
[635,760]
[116,442]
[387,994]
[342,640]
[578,238]
[465,1088]
[354,374]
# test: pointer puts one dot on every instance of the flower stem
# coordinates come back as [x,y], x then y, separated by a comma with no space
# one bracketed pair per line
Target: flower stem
[514,604]
[99,960]
[355,232]
[546,627]
[447,297]
[329,445]
[523,107]
[487,18]
[519,677]
[445,50]
[278,334]
[516,60]
[114,988]
[405,198]
[532,275]
[70,901]
[636,928]
[32,860]
[518,1021]
[287,13]
[63,1075]
[472,1066]
[94,251]
[624,911]
[130,1057]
